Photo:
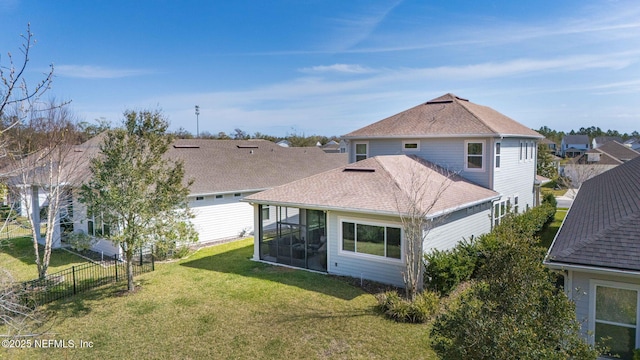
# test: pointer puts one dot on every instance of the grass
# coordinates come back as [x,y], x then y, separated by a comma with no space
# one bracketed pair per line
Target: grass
[17,256]
[548,234]
[219,304]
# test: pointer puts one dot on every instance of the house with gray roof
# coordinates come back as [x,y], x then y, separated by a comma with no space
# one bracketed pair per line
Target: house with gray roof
[223,172]
[597,249]
[574,145]
[474,163]
[596,161]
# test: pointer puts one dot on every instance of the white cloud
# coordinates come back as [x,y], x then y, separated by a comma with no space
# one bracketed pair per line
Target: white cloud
[338,68]
[96,72]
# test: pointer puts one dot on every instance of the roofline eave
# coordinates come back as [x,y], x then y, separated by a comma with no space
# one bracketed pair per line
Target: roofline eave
[589,268]
[442,136]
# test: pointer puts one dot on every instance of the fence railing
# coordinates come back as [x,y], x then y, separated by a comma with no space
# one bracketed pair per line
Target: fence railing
[82,278]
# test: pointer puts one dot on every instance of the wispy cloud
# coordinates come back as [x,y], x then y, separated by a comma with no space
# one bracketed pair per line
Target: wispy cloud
[338,68]
[97,72]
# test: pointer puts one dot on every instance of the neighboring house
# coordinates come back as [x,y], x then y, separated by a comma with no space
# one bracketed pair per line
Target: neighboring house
[223,172]
[574,145]
[553,147]
[596,161]
[331,147]
[633,143]
[284,143]
[598,251]
[600,140]
[347,221]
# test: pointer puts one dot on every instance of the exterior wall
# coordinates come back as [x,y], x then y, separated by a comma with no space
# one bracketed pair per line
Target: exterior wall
[463,224]
[221,218]
[578,288]
[515,177]
[448,153]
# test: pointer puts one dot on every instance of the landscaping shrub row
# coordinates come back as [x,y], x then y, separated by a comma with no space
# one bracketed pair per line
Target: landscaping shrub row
[444,270]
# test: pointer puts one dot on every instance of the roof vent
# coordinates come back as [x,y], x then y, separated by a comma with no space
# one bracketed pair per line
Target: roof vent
[359,169]
[186,146]
[247,146]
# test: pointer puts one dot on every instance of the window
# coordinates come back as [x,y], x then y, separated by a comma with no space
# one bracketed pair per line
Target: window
[96,226]
[219,196]
[237,195]
[615,315]
[265,212]
[361,151]
[474,155]
[378,240]
[526,151]
[411,145]
[515,204]
[499,211]
[521,150]
[532,150]
[198,198]
[497,155]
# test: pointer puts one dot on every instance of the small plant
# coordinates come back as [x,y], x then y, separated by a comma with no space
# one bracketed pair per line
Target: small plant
[80,241]
[399,309]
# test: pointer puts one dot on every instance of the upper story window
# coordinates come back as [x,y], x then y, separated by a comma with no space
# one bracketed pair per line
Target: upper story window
[498,155]
[411,145]
[474,155]
[362,151]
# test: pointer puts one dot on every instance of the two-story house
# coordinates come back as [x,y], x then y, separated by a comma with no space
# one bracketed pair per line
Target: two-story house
[461,164]
[574,145]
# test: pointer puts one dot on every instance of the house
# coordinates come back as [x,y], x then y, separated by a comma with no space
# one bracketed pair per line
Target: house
[633,143]
[597,249]
[331,147]
[475,162]
[552,146]
[574,145]
[596,161]
[600,140]
[223,172]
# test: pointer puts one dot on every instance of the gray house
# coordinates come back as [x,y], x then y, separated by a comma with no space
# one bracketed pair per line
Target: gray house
[598,250]
[574,145]
[476,162]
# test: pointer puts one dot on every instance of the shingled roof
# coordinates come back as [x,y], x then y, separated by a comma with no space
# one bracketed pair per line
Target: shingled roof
[611,153]
[380,184]
[445,116]
[602,228]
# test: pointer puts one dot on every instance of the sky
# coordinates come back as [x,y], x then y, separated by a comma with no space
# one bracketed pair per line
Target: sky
[312,67]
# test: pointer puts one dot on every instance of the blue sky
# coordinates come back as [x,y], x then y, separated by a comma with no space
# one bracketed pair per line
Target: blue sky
[330,67]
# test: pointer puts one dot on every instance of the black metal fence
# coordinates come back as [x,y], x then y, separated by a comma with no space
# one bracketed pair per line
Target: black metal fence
[82,278]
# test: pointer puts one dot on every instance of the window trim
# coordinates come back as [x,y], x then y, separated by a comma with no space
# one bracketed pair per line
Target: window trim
[354,254]
[355,150]
[466,155]
[593,284]
[407,142]
[497,152]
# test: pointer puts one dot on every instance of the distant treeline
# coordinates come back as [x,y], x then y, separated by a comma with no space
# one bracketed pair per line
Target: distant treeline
[592,132]
[294,139]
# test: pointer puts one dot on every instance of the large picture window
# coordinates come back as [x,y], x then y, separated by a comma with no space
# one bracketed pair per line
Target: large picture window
[615,317]
[474,155]
[370,239]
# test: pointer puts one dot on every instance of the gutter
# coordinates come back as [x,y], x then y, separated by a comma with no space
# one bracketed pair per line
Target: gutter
[226,192]
[590,269]
[448,136]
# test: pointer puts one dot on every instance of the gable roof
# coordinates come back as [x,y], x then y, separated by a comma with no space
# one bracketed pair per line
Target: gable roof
[445,116]
[602,228]
[600,140]
[382,185]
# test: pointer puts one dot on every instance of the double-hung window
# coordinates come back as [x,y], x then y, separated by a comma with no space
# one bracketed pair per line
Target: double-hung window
[362,151]
[614,311]
[497,163]
[474,155]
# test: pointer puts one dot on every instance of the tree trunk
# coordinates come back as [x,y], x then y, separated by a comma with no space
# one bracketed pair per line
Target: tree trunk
[130,284]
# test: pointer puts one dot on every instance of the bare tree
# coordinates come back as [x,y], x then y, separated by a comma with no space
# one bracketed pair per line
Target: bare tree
[16,93]
[47,165]
[421,187]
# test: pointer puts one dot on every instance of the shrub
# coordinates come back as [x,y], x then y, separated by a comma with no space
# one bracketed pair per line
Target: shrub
[80,241]
[399,309]
[444,270]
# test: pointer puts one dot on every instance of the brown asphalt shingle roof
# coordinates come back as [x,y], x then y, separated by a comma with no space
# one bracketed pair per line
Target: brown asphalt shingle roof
[380,184]
[602,228]
[611,153]
[445,116]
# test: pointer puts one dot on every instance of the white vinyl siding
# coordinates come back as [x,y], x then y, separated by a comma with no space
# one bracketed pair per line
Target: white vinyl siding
[221,218]
[515,176]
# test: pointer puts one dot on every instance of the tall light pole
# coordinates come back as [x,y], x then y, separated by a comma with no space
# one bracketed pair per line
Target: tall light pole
[197,121]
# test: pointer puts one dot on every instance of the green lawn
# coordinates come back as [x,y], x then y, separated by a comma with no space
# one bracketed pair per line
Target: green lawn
[217,304]
[546,237]
[17,256]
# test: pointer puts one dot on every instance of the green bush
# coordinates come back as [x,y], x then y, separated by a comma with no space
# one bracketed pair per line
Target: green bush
[399,309]
[444,270]
[80,241]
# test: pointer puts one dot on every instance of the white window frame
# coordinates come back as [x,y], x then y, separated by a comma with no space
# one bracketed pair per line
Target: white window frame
[410,142]
[355,150]
[356,222]
[466,155]
[502,211]
[497,152]
[593,284]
